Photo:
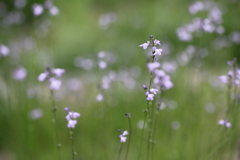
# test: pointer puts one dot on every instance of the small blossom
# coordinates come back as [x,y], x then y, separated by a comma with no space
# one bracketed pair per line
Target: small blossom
[158,51]
[55,84]
[153,90]
[20,74]
[144,87]
[66,109]
[72,123]
[58,72]
[224,79]
[150,97]
[145,45]
[43,76]
[156,42]
[4,50]
[225,123]
[37,9]
[153,65]
[122,136]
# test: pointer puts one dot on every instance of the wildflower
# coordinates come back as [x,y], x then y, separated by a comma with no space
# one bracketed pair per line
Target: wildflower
[43,76]
[58,72]
[153,65]
[145,45]
[154,91]
[37,9]
[122,136]
[158,51]
[150,97]
[225,123]
[224,79]
[162,79]
[20,74]
[4,50]
[71,118]
[55,84]
[156,42]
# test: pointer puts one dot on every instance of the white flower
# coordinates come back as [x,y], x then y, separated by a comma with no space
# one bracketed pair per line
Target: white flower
[122,137]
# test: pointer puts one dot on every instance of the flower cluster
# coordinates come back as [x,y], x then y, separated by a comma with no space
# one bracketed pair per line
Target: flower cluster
[122,136]
[51,75]
[233,76]
[151,93]
[71,118]
[38,9]
[212,23]
[225,123]
[154,48]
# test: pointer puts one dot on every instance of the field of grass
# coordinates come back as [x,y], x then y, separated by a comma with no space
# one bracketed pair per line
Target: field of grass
[85,36]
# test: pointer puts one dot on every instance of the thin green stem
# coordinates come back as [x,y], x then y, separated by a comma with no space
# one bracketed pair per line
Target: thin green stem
[54,110]
[129,139]
[144,123]
[71,137]
[120,150]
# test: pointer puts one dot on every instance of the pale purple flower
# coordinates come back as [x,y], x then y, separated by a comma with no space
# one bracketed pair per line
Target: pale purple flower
[153,90]
[152,66]
[72,123]
[122,136]
[37,9]
[71,118]
[20,74]
[99,97]
[224,78]
[162,79]
[158,51]
[43,76]
[58,72]
[225,123]
[150,97]
[156,42]
[4,50]
[54,11]
[66,109]
[145,45]
[55,84]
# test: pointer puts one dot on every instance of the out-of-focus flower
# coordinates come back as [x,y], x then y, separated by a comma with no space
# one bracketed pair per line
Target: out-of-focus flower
[37,9]
[150,97]
[156,42]
[105,20]
[4,50]
[162,79]
[55,84]
[58,72]
[54,11]
[225,123]
[36,114]
[145,45]
[71,118]
[224,79]
[20,74]
[122,136]
[99,97]
[158,51]
[153,90]
[43,76]
[152,66]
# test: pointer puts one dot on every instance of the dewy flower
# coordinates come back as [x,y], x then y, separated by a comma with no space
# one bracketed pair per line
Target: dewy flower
[71,118]
[122,136]
[225,123]
[145,45]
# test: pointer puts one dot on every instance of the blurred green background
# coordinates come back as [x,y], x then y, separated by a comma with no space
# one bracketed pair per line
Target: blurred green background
[187,127]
